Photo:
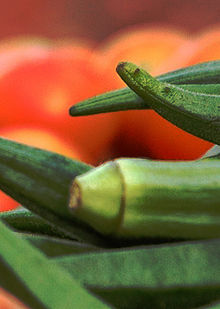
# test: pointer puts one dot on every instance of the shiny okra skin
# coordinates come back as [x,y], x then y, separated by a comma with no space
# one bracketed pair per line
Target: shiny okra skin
[136,198]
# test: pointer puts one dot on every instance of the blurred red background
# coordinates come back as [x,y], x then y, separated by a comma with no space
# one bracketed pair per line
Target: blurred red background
[97,19]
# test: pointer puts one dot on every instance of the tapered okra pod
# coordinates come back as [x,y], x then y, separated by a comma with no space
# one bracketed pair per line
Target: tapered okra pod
[196,113]
[143,198]
[40,180]
[119,100]
[203,77]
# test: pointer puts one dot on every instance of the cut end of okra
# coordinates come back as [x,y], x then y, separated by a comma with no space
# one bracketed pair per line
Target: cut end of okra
[89,197]
[75,197]
[135,198]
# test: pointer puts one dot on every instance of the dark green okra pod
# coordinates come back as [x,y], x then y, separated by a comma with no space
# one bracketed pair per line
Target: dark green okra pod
[178,276]
[143,198]
[196,113]
[40,181]
[203,77]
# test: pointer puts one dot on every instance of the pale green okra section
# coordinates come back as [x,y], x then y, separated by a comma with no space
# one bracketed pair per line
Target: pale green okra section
[145,198]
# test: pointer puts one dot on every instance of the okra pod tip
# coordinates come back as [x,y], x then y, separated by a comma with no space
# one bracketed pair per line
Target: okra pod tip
[197,113]
[202,78]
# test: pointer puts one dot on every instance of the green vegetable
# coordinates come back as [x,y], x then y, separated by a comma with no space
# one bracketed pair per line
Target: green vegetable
[178,276]
[202,73]
[52,246]
[196,113]
[42,174]
[155,199]
[38,282]
[23,220]
[123,99]
[40,181]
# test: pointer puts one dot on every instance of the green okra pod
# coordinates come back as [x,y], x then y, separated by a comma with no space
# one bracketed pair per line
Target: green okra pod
[124,99]
[201,73]
[143,198]
[52,246]
[42,175]
[196,113]
[40,181]
[25,221]
[36,280]
[178,276]
[126,198]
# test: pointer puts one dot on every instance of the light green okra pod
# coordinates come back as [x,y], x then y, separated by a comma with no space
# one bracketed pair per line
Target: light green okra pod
[142,198]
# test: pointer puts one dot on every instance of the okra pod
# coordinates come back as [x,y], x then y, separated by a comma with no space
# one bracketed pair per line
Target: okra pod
[126,99]
[178,276]
[133,198]
[123,99]
[202,73]
[196,113]
[125,198]
[40,180]
[25,221]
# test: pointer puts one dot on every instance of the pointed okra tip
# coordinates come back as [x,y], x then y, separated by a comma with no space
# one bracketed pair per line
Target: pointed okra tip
[130,72]
[127,67]
[73,111]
